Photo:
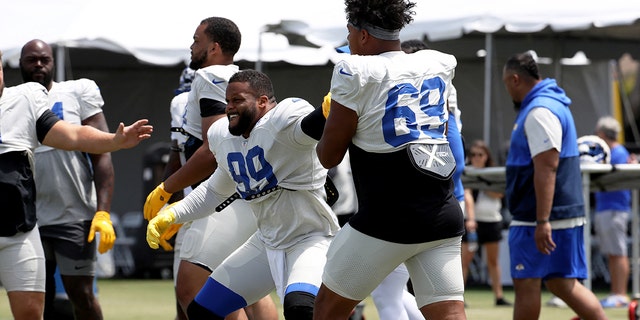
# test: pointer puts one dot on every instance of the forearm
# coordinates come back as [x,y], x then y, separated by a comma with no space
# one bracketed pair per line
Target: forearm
[200,202]
[544,182]
[173,164]
[103,179]
[67,136]
[336,137]
[201,165]
[469,205]
[493,194]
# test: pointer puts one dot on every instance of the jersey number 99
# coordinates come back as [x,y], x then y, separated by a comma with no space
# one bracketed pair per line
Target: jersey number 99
[252,166]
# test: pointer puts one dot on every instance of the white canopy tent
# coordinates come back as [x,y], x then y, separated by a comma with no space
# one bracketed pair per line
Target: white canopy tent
[159,32]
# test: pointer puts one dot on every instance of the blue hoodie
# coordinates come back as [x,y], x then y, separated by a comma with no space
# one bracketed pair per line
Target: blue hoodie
[567,199]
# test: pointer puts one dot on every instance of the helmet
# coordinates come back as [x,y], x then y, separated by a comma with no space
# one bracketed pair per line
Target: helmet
[593,150]
[185,80]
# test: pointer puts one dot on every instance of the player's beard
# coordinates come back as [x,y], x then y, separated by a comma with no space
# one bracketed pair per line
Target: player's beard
[244,122]
[28,77]
[517,105]
[198,61]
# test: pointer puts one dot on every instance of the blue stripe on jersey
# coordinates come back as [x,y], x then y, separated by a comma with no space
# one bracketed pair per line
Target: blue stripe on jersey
[219,299]
[301,286]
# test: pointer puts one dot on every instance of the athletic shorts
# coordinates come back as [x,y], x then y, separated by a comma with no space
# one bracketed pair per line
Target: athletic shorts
[22,266]
[67,245]
[208,241]
[253,271]
[487,232]
[611,232]
[568,260]
[357,263]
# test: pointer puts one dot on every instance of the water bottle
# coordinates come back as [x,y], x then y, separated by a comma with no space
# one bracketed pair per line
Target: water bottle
[472,241]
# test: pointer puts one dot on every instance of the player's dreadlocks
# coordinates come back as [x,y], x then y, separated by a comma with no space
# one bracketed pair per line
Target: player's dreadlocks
[385,14]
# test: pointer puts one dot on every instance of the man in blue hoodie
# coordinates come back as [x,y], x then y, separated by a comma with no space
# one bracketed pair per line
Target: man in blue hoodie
[544,193]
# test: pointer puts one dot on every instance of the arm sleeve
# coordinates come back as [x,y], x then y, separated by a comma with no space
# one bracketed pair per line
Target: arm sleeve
[91,100]
[210,107]
[346,85]
[201,201]
[543,131]
[313,124]
[44,123]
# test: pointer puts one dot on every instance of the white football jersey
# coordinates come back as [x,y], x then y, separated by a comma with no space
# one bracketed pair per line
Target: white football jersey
[64,179]
[209,83]
[178,108]
[74,101]
[20,108]
[277,153]
[399,98]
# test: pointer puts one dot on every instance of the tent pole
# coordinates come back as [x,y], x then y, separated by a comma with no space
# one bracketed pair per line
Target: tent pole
[60,62]
[635,245]
[586,191]
[488,60]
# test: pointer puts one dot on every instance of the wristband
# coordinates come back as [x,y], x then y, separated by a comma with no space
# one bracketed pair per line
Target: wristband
[539,222]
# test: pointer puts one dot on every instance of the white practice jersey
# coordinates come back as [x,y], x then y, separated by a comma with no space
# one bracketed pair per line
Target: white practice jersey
[277,153]
[178,108]
[64,179]
[209,83]
[20,108]
[398,97]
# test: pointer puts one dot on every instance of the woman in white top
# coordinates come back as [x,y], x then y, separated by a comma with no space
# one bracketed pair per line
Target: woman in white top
[482,216]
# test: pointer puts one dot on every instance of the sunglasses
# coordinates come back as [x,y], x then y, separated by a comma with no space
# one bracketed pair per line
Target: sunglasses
[473,154]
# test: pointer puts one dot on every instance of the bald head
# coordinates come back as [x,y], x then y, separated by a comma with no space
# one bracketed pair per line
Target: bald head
[36,63]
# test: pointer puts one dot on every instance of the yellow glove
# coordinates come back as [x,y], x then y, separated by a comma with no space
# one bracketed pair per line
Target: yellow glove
[326,105]
[102,223]
[158,225]
[164,238]
[155,201]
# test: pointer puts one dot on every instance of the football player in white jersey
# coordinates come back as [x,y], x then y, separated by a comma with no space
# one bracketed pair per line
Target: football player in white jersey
[74,189]
[207,241]
[26,121]
[177,110]
[389,109]
[266,156]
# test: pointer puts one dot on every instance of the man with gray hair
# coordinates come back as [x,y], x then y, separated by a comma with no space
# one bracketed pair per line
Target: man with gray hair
[611,219]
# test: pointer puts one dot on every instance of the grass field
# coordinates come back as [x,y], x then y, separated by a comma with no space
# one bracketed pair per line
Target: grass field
[126,299]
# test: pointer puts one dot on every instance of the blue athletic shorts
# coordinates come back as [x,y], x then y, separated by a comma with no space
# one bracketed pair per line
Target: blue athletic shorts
[568,260]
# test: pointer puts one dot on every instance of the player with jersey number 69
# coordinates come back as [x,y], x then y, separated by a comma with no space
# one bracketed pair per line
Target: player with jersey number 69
[389,110]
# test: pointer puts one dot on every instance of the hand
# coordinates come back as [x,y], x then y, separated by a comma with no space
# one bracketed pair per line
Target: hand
[164,238]
[326,105]
[543,239]
[102,223]
[470,225]
[130,136]
[155,201]
[158,225]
